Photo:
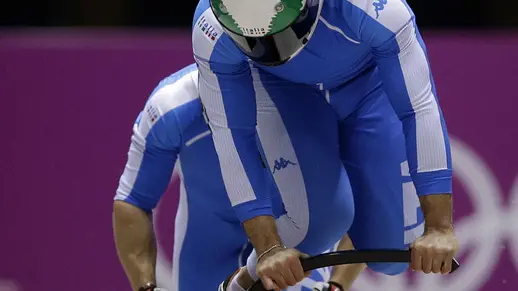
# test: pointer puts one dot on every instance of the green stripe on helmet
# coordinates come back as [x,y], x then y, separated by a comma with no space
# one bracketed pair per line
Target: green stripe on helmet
[224,17]
[286,12]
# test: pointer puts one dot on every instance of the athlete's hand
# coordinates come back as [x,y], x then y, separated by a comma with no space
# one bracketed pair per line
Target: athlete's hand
[280,268]
[434,251]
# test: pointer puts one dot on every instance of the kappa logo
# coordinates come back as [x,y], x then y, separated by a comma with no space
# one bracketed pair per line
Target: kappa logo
[379,5]
[207,28]
[282,164]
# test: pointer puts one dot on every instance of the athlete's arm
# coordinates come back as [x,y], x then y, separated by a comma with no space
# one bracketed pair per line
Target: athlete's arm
[401,57]
[409,83]
[390,29]
[235,139]
[228,96]
[135,243]
[151,158]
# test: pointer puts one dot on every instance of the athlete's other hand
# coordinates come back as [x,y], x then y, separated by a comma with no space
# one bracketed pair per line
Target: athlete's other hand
[280,268]
[434,251]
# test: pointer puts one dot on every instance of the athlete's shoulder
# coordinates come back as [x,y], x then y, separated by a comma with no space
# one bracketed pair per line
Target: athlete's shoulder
[176,90]
[210,42]
[391,15]
[164,116]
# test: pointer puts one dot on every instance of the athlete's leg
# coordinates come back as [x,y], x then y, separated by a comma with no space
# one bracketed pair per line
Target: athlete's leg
[298,132]
[299,136]
[373,152]
[208,246]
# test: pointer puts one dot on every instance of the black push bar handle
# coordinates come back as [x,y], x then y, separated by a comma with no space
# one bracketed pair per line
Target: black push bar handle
[352,257]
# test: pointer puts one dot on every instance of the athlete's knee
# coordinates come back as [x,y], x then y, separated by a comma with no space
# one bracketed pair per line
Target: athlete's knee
[390,269]
[327,228]
[335,221]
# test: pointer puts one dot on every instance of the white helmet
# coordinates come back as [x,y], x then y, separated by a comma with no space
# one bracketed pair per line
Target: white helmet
[269,32]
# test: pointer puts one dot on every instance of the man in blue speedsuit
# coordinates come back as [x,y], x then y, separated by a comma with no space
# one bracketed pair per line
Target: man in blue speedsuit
[360,55]
[209,240]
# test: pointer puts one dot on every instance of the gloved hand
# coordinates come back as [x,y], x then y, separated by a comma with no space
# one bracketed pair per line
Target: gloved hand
[327,286]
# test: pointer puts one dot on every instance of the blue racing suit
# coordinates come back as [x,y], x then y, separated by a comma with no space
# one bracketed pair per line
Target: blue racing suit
[363,56]
[309,189]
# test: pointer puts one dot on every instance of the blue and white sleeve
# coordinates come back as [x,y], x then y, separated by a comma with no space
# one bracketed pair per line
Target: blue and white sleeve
[155,145]
[228,97]
[389,28]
